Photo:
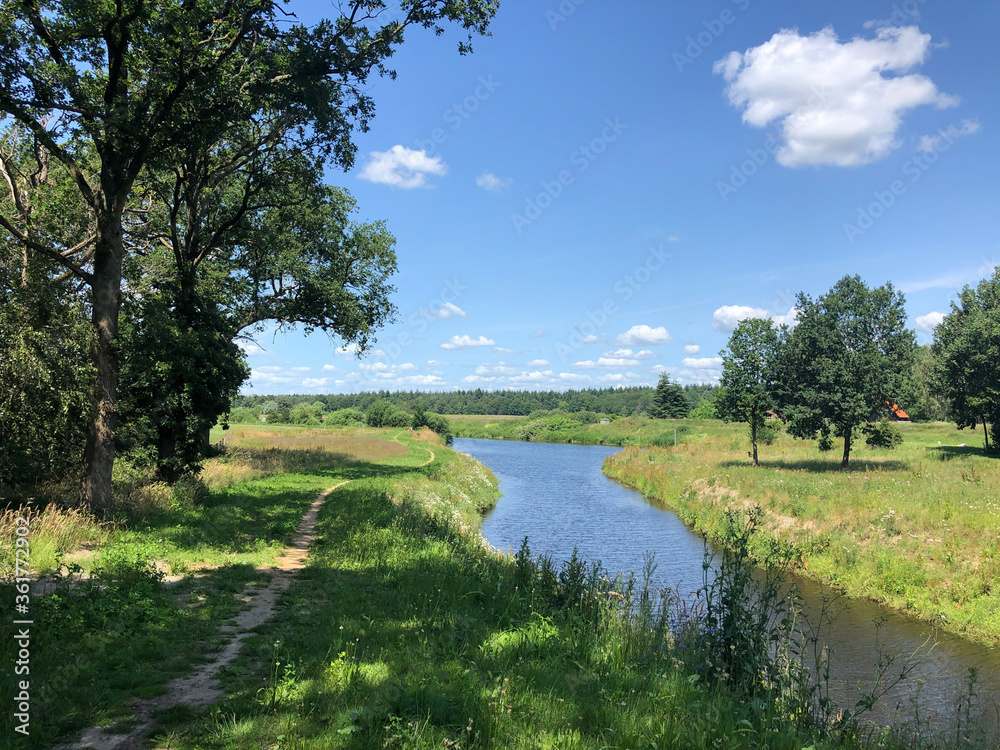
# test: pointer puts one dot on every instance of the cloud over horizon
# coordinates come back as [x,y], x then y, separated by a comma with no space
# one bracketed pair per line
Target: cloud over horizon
[402,168]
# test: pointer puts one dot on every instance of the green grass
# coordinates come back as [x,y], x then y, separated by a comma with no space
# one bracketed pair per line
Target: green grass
[917,529]
[405,630]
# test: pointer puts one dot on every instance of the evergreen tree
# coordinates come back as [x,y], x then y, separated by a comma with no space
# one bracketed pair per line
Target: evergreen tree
[669,401]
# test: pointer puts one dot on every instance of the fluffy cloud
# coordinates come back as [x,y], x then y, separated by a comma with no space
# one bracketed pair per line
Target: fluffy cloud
[447,310]
[383,370]
[838,103]
[691,348]
[498,369]
[329,368]
[465,342]
[250,348]
[630,354]
[315,382]
[538,363]
[701,363]
[591,339]
[608,363]
[402,167]
[435,363]
[501,350]
[489,181]
[944,138]
[927,323]
[643,336]
[727,317]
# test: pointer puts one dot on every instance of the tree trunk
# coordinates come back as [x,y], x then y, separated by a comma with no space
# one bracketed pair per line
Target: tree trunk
[986,434]
[99,454]
[847,448]
[753,440]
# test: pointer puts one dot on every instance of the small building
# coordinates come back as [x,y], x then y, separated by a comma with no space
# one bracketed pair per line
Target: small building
[896,414]
[605,420]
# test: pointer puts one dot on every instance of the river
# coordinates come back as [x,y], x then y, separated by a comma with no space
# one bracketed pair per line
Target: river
[557,496]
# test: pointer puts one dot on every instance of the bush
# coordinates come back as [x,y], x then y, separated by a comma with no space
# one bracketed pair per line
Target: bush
[345,417]
[882,434]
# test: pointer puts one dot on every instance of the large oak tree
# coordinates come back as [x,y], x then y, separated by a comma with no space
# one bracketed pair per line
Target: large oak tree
[132,83]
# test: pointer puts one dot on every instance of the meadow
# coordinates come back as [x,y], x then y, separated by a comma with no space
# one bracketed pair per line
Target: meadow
[405,630]
[916,528]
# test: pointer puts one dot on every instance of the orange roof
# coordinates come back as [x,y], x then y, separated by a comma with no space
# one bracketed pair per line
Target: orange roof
[900,414]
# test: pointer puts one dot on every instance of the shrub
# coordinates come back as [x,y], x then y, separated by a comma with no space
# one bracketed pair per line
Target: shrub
[345,417]
[882,434]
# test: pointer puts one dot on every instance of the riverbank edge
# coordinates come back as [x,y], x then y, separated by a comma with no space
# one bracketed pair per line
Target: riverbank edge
[705,517]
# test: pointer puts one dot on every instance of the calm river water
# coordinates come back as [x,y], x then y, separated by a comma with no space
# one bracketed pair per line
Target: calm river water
[557,496]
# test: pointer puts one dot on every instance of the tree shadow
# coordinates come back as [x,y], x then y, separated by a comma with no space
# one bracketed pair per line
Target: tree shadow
[951,452]
[821,466]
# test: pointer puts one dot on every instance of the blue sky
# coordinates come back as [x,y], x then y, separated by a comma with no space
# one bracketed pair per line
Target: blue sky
[601,191]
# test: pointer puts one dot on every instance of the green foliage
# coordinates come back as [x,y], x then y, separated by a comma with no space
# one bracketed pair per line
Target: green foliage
[45,375]
[705,410]
[747,392]
[345,417]
[882,434]
[669,401]
[967,346]
[384,414]
[844,361]
[180,370]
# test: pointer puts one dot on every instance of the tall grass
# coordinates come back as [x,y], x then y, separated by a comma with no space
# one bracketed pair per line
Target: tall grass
[917,529]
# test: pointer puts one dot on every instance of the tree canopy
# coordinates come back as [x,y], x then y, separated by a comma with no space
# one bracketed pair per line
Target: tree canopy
[114,91]
[845,361]
[967,345]
[747,391]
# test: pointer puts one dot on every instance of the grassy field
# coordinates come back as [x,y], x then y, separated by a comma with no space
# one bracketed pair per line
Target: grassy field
[404,630]
[917,528]
[559,428]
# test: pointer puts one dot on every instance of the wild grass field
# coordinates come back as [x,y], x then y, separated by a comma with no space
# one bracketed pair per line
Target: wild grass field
[405,630]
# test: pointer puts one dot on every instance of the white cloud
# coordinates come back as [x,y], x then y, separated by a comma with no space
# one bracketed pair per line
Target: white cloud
[539,334]
[643,335]
[447,310]
[574,377]
[329,368]
[378,353]
[383,370]
[315,382]
[691,348]
[402,167]
[538,363]
[591,339]
[609,363]
[630,354]
[343,351]
[941,140]
[726,318]
[927,323]
[701,363]
[465,342]
[249,348]
[269,368]
[501,350]
[435,363]
[489,181]
[500,368]
[838,103]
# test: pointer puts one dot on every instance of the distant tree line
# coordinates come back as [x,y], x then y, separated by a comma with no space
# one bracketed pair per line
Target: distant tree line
[611,401]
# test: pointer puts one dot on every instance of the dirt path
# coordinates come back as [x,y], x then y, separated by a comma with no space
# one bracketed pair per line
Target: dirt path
[201,687]
[425,463]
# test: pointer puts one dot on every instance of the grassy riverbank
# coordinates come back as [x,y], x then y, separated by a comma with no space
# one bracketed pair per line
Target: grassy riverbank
[559,427]
[917,529]
[404,630]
